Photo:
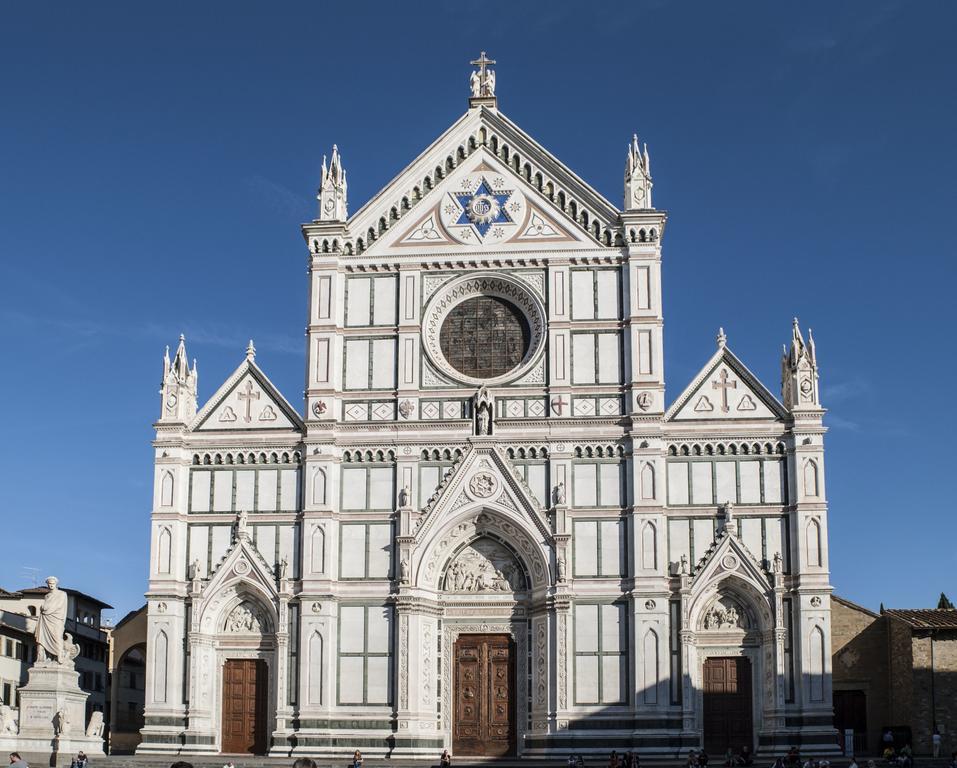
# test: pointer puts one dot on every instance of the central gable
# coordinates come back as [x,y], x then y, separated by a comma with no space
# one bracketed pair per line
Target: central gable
[482,204]
[561,207]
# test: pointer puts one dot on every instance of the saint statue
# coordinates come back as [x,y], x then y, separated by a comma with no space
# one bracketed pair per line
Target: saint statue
[560,493]
[483,419]
[561,568]
[51,623]
[283,569]
[475,84]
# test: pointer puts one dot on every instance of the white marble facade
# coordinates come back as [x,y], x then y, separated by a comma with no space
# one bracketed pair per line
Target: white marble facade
[619,537]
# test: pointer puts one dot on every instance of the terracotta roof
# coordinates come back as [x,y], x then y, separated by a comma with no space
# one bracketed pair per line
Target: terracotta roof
[926,618]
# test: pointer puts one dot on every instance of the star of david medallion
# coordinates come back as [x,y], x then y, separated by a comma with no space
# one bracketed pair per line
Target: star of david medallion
[482,485]
[484,210]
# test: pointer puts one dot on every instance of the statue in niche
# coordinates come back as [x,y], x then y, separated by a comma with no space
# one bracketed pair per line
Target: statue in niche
[405,497]
[484,566]
[404,572]
[561,568]
[244,619]
[483,419]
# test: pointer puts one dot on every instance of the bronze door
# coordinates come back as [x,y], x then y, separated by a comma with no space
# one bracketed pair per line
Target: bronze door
[727,705]
[244,706]
[484,690]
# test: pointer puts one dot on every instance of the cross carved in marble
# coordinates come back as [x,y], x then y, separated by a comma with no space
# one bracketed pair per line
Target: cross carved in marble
[249,396]
[724,385]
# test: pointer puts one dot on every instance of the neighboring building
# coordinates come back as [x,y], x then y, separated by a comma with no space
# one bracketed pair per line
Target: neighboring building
[16,650]
[898,670]
[489,531]
[127,682]
[83,623]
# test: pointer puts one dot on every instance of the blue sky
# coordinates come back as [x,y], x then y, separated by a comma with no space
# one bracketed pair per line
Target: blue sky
[156,161]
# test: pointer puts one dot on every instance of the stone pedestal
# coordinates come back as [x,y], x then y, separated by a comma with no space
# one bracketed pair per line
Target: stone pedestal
[46,736]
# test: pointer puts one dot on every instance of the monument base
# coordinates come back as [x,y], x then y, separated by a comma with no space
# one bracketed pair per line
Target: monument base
[52,724]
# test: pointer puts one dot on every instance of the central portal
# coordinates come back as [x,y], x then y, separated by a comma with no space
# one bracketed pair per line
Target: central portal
[727,704]
[484,690]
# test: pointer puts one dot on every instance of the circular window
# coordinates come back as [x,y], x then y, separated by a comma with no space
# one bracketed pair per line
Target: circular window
[484,329]
[484,337]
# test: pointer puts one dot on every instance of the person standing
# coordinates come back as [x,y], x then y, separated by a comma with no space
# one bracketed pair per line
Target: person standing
[935,740]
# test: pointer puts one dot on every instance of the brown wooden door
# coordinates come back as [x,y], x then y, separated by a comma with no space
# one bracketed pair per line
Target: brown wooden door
[727,705]
[850,711]
[244,706]
[484,690]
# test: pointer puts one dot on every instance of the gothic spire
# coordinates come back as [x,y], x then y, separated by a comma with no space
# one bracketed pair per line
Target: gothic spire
[333,187]
[179,386]
[799,374]
[637,176]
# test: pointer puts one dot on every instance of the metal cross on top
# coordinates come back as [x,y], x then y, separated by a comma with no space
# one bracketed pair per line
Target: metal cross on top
[482,83]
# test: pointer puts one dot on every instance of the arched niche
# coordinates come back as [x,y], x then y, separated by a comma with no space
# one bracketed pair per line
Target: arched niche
[484,565]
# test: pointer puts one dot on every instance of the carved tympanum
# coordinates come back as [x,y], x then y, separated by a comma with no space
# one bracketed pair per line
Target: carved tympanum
[484,566]
[245,618]
[725,613]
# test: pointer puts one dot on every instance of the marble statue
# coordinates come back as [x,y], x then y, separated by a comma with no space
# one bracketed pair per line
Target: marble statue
[405,496]
[242,523]
[51,624]
[404,572]
[8,720]
[194,570]
[483,419]
[62,723]
[95,728]
[561,567]
[283,569]
[560,493]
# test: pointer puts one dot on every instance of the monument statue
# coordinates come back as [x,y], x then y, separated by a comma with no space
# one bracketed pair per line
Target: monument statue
[51,624]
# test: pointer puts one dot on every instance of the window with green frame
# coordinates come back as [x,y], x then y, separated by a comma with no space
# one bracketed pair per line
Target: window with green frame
[598,548]
[601,665]
[368,487]
[597,484]
[365,639]
[431,475]
[365,550]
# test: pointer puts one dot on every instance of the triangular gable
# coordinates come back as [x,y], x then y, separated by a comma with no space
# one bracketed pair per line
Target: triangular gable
[243,562]
[482,203]
[725,390]
[482,474]
[728,555]
[438,162]
[247,400]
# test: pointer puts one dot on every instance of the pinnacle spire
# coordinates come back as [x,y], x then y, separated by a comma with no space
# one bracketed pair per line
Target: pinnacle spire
[637,175]
[250,351]
[722,338]
[332,189]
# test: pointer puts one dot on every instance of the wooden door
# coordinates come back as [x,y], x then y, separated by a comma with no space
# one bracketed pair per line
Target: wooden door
[245,687]
[850,711]
[727,705]
[484,691]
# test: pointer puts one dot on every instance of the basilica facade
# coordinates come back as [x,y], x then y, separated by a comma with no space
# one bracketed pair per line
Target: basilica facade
[488,529]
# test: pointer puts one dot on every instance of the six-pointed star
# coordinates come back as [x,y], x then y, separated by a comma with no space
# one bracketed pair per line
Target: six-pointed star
[484,208]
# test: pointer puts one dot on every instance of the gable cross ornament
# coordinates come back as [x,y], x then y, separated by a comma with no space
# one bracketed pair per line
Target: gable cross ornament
[482,82]
[724,385]
[249,396]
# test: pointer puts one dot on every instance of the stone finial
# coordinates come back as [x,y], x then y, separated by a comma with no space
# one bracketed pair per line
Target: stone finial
[722,339]
[250,351]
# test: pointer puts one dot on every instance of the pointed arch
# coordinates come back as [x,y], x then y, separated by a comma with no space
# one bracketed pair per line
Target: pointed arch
[647,480]
[816,652]
[318,487]
[317,550]
[316,669]
[164,550]
[166,490]
[160,657]
[650,667]
[811,478]
[649,546]
[814,543]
